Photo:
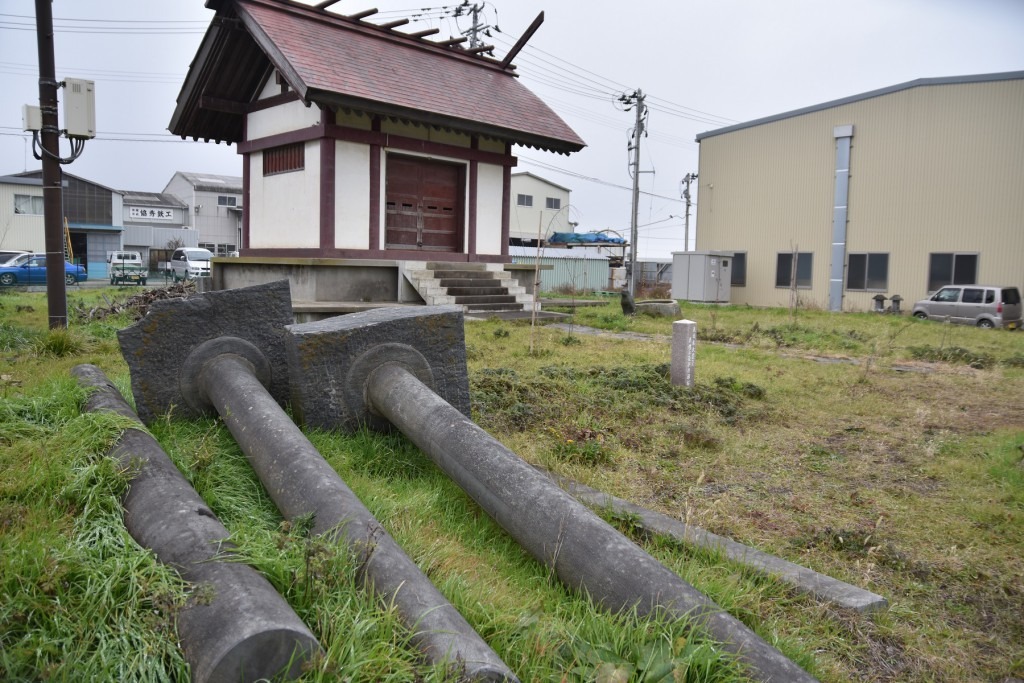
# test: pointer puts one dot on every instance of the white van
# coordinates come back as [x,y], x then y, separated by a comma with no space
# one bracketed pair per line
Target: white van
[188,263]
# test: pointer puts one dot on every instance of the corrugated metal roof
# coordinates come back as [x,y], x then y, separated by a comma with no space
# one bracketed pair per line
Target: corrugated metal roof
[920,82]
[340,62]
[209,182]
[151,199]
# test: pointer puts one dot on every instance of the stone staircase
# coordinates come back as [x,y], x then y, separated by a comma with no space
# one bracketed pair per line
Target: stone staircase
[482,289]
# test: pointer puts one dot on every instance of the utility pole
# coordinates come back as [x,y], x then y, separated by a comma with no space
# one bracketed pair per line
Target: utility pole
[53,233]
[477,28]
[641,110]
[687,179]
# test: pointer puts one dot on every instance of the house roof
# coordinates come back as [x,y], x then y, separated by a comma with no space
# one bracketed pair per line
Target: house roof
[920,82]
[540,179]
[346,63]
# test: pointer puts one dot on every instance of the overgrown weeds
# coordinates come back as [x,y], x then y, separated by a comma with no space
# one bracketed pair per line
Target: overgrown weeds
[907,484]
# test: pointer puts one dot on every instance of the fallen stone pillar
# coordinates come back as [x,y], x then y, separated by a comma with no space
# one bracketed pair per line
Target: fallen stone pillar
[230,376]
[241,629]
[386,370]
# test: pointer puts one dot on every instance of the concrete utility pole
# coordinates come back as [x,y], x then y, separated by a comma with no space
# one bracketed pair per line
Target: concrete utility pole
[638,96]
[476,29]
[53,232]
[687,179]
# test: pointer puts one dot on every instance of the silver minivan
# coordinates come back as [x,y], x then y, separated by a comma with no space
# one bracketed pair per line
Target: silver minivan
[981,305]
[189,264]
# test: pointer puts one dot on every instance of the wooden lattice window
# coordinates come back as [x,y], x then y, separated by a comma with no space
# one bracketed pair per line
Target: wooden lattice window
[284,159]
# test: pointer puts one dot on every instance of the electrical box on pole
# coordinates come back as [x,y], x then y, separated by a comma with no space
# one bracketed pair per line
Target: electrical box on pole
[31,118]
[79,108]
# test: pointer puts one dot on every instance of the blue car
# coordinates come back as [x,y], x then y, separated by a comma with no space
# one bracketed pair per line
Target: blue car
[33,272]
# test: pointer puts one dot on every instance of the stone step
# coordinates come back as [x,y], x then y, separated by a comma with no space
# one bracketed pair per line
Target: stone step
[471,308]
[469,282]
[478,291]
[476,275]
[473,300]
[439,265]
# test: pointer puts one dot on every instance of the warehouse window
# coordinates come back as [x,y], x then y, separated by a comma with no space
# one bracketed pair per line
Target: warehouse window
[553,203]
[868,272]
[27,204]
[784,269]
[739,269]
[524,200]
[284,159]
[227,200]
[952,269]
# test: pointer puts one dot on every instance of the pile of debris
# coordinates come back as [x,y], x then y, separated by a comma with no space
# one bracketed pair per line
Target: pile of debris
[136,305]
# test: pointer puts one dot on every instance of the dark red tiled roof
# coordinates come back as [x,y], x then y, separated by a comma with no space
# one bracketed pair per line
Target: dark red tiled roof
[341,62]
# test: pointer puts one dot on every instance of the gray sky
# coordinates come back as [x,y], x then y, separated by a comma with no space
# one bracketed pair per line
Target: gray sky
[703,65]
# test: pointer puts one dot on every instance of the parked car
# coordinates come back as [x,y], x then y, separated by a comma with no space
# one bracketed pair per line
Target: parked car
[7,258]
[981,305]
[189,263]
[32,271]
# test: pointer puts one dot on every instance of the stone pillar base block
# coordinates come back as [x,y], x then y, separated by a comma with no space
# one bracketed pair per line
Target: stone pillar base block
[330,360]
[157,347]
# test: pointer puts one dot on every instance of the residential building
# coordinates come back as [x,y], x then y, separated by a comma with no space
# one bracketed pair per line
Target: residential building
[539,208]
[896,191]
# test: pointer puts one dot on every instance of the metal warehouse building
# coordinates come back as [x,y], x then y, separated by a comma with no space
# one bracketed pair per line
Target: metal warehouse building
[895,191]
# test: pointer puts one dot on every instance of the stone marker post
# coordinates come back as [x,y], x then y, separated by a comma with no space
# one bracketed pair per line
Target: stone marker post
[684,352]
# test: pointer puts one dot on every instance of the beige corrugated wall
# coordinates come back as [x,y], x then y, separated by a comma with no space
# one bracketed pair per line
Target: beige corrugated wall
[935,168]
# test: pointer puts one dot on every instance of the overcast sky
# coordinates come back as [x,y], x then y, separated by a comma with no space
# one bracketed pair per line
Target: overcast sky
[702,65]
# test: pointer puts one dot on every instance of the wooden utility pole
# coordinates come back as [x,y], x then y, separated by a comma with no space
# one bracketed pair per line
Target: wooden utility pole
[53,232]
[633,237]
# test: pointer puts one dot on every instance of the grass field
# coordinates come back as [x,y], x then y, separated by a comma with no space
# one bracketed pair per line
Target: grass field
[881,450]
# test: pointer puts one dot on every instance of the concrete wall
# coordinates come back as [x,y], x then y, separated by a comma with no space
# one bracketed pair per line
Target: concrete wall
[327,280]
[934,168]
